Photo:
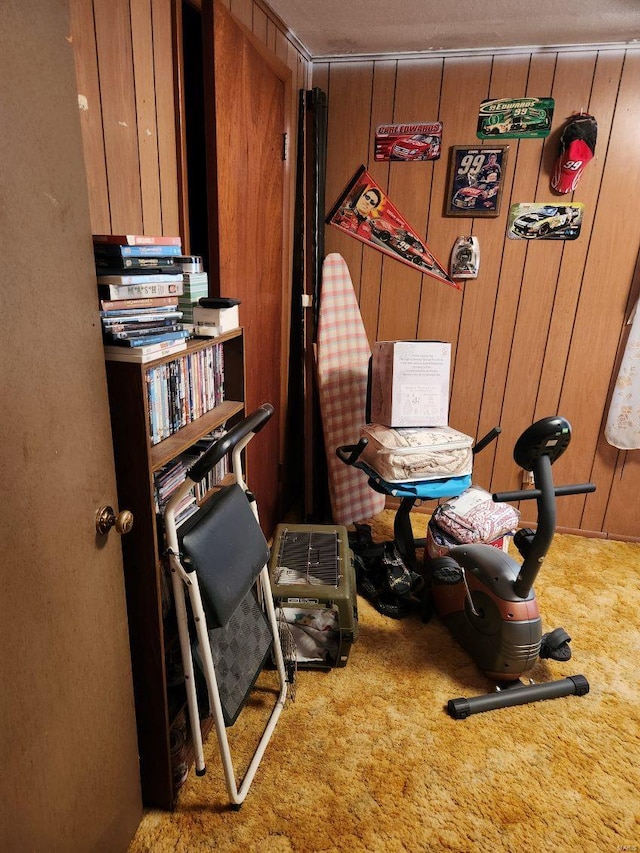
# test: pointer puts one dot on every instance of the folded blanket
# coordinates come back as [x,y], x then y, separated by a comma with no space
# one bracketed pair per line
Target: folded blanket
[407,453]
[474,517]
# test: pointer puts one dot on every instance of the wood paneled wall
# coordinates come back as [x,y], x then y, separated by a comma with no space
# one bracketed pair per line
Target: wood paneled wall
[124,55]
[542,328]
[129,77]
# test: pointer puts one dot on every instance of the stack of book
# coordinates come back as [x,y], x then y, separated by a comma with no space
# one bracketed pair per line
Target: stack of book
[139,286]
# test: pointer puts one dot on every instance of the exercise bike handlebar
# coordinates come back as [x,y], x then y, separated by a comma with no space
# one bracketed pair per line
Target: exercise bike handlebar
[530,494]
[253,423]
[487,439]
[350,453]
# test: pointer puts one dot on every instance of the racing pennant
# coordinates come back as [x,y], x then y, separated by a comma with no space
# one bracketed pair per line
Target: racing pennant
[365,212]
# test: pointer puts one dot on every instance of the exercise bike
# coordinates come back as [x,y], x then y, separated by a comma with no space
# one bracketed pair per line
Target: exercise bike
[486,598]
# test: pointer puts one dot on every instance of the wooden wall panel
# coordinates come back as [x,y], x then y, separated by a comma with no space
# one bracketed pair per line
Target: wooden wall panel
[508,389]
[86,61]
[142,47]
[127,96]
[350,93]
[117,94]
[417,98]
[164,89]
[605,294]
[370,284]
[243,11]
[540,331]
[478,309]
[129,88]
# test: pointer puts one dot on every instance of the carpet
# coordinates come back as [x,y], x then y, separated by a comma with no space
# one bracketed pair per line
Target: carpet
[367,759]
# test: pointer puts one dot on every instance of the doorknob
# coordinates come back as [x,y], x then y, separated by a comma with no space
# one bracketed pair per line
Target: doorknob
[106,519]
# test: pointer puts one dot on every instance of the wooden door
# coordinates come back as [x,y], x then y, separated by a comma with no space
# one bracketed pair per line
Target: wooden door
[70,777]
[245,96]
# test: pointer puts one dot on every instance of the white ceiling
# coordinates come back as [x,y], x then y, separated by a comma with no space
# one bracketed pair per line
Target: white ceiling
[330,28]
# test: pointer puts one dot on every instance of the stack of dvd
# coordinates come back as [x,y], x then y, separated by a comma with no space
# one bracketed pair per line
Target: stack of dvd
[140,285]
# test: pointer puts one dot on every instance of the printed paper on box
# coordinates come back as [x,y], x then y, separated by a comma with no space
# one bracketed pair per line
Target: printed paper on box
[410,383]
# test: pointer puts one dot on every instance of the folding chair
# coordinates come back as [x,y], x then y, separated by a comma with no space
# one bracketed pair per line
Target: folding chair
[219,562]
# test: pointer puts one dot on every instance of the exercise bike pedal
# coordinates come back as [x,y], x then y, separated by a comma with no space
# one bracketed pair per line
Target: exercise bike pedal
[445,570]
[523,539]
[555,645]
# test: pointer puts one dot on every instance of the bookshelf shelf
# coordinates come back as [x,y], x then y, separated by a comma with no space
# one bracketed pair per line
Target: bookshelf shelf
[175,444]
[151,621]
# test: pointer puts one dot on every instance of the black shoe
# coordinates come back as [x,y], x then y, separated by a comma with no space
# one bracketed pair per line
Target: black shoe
[398,575]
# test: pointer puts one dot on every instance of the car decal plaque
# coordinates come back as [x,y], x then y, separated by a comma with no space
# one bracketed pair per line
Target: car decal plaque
[408,142]
[475,182]
[548,221]
[515,118]
[364,211]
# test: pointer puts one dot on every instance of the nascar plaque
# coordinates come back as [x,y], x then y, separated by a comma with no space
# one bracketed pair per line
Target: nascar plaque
[515,118]
[551,221]
[475,180]
[408,142]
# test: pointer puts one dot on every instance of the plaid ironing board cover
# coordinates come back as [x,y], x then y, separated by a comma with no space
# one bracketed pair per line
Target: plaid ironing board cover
[342,366]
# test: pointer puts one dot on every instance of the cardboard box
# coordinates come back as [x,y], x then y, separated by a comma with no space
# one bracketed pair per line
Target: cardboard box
[218,320]
[410,383]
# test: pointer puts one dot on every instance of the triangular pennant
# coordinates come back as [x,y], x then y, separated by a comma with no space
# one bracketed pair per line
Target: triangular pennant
[365,212]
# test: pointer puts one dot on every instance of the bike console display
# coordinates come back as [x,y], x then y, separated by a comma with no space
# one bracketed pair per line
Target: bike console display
[547,437]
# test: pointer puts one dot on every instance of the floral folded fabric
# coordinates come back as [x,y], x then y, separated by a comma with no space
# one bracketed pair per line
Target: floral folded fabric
[474,517]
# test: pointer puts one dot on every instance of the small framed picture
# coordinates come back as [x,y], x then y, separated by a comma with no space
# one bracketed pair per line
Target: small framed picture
[475,180]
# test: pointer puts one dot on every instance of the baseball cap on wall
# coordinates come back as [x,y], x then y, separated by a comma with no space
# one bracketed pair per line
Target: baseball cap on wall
[577,147]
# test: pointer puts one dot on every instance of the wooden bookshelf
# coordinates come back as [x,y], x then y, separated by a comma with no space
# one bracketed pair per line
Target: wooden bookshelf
[147,588]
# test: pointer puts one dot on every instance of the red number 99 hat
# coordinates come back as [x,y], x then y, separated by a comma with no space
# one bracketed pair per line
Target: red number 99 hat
[577,147]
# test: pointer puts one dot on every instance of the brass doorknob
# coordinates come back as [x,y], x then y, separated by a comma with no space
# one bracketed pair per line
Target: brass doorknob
[106,519]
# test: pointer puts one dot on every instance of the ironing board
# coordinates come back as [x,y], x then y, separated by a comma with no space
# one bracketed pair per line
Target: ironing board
[343,354]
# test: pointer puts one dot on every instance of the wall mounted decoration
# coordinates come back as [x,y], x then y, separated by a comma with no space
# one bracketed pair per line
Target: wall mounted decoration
[465,258]
[408,142]
[364,211]
[533,221]
[577,147]
[475,180]
[515,118]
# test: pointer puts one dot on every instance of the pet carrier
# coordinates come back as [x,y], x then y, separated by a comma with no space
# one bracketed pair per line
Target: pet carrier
[314,589]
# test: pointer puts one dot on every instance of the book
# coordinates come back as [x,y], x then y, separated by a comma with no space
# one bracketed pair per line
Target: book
[143,354]
[131,334]
[131,291]
[131,328]
[179,334]
[113,250]
[132,319]
[139,277]
[118,263]
[137,239]
[138,304]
